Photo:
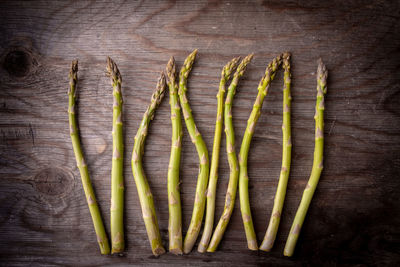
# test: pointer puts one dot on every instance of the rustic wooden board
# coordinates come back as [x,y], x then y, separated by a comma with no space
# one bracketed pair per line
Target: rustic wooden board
[354,217]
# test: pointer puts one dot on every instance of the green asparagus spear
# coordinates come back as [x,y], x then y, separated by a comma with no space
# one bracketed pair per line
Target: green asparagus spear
[145,195]
[233,162]
[322,75]
[244,151]
[117,179]
[273,226]
[80,161]
[212,183]
[174,199]
[202,180]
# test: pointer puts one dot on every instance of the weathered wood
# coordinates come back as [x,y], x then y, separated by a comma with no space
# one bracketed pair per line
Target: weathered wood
[354,217]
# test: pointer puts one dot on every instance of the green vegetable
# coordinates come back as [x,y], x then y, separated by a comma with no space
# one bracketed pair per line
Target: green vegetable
[142,185]
[117,179]
[202,180]
[81,163]
[244,151]
[273,226]
[322,75]
[174,199]
[212,183]
[233,162]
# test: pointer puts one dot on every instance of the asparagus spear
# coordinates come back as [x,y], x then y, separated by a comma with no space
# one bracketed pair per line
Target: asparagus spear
[273,226]
[202,180]
[80,161]
[145,195]
[117,179]
[244,151]
[317,167]
[212,183]
[174,199]
[233,163]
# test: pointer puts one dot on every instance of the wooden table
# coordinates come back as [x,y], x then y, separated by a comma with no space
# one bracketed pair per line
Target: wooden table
[354,217]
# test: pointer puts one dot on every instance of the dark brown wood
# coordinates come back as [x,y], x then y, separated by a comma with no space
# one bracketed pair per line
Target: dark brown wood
[354,216]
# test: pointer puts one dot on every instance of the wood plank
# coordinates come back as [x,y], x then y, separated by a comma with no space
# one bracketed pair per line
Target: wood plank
[354,216]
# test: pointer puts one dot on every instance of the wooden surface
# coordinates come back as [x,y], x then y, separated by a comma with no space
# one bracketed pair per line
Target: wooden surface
[354,217]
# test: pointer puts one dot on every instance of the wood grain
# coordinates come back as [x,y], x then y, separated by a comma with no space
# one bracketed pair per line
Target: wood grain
[355,213]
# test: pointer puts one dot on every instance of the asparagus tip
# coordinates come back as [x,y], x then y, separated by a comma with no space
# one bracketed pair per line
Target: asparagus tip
[234,62]
[160,89]
[194,53]
[113,71]
[170,69]
[229,67]
[74,65]
[243,64]
[278,59]
[74,69]
[246,61]
[286,55]
[322,71]
[161,81]
[286,61]
[187,65]
[73,74]
[322,75]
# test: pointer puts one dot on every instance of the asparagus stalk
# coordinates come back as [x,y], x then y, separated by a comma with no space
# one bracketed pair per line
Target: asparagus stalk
[273,226]
[145,195]
[317,167]
[81,163]
[233,162]
[244,151]
[212,183]
[202,180]
[117,179]
[174,199]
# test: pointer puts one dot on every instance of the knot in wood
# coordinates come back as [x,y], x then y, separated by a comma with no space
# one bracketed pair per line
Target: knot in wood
[53,182]
[18,62]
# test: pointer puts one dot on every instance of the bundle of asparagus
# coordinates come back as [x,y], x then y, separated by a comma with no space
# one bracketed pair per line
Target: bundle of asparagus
[207,178]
